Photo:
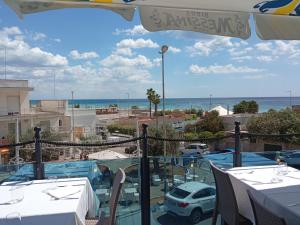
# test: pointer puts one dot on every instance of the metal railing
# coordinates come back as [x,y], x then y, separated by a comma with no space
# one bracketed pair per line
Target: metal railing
[196,166]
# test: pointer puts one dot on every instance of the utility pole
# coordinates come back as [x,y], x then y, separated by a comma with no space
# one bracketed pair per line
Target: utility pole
[17,139]
[54,83]
[290,91]
[210,103]
[5,62]
[127,104]
[73,134]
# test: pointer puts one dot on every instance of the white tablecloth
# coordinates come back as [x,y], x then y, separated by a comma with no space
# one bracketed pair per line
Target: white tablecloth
[39,207]
[277,196]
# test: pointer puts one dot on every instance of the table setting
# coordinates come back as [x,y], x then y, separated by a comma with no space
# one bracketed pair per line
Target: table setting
[277,187]
[54,201]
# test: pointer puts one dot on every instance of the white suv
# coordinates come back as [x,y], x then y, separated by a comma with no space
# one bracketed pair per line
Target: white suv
[192,200]
[195,148]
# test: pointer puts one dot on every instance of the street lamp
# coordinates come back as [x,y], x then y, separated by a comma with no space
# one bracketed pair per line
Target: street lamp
[5,56]
[290,91]
[127,104]
[163,50]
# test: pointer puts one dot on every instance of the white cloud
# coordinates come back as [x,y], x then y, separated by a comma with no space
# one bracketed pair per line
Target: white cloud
[265,58]
[123,51]
[74,54]
[242,58]
[222,69]
[7,31]
[208,46]
[133,72]
[20,53]
[117,60]
[39,36]
[138,43]
[259,76]
[157,61]
[174,50]
[235,52]
[136,30]
[264,46]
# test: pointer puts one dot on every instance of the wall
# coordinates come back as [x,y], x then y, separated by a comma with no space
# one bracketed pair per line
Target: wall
[59,106]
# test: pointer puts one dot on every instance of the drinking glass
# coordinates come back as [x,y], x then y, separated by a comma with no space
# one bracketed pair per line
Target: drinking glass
[13,218]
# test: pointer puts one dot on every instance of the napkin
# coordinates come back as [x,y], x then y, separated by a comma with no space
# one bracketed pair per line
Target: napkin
[62,192]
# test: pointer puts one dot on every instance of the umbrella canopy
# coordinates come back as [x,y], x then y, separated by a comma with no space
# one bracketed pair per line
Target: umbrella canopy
[274,19]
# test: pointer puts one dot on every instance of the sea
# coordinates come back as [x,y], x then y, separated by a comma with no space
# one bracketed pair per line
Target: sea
[265,103]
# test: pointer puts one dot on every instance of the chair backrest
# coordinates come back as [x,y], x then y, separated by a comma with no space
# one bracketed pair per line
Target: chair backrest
[262,215]
[115,194]
[226,203]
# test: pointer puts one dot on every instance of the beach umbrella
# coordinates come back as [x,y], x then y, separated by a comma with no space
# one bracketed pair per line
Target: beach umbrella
[273,19]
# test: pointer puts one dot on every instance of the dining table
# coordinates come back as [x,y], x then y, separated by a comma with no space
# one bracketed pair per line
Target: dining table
[57,201]
[275,187]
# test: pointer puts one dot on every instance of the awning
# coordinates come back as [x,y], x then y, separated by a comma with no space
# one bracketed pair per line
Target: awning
[274,19]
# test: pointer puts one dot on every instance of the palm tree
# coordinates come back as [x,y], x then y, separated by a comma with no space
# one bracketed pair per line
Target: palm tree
[156,101]
[150,94]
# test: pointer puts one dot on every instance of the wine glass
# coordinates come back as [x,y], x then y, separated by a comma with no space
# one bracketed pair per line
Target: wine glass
[13,218]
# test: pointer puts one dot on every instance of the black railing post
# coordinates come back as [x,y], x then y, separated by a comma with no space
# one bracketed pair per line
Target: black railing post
[38,165]
[237,160]
[145,180]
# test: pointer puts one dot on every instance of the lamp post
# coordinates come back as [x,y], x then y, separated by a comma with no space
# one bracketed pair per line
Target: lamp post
[163,50]
[5,61]
[127,104]
[290,91]
[210,101]
[73,134]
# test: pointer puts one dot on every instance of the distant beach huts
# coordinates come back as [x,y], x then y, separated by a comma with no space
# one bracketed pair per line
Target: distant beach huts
[110,110]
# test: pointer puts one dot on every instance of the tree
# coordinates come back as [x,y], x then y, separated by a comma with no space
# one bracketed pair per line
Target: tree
[150,94]
[246,107]
[134,107]
[156,147]
[276,122]
[156,101]
[212,123]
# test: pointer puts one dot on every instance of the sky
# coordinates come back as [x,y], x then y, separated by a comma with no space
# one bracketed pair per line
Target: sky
[99,55]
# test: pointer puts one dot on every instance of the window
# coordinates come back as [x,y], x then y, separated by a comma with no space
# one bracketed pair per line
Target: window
[192,147]
[60,123]
[212,191]
[202,194]
[179,193]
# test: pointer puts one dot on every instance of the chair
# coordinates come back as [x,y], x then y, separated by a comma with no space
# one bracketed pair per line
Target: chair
[155,180]
[113,202]
[262,215]
[178,179]
[226,204]
[136,197]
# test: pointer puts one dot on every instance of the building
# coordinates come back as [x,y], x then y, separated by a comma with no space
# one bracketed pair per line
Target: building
[17,117]
[86,123]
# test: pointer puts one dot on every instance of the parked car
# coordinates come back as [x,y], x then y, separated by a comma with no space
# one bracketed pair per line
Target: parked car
[198,148]
[191,200]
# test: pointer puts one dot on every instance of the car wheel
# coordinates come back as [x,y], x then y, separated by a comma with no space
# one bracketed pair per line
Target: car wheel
[196,216]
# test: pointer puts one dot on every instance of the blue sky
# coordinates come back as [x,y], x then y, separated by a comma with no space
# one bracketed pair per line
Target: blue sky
[98,54]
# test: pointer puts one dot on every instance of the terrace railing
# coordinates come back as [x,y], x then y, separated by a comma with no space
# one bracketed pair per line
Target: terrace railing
[170,171]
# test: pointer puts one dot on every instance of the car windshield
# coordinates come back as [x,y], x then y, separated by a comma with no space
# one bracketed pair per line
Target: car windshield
[192,147]
[203,146]
[179,193]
